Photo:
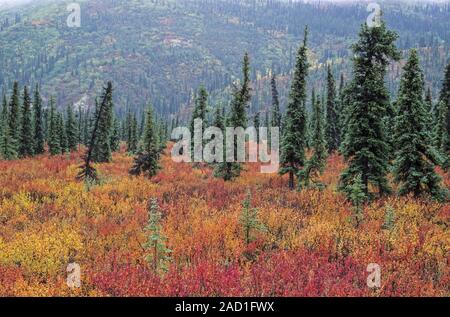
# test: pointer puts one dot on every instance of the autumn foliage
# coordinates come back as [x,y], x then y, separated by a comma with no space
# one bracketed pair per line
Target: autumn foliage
[308,244]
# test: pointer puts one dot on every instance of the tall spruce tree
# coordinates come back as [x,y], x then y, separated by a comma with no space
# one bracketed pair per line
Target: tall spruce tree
[200,112]
[53,131]
[442,130]
[26,140]
[237,118]
[415,157]
[71,130]
[276,112]
[39,129]
[366,147]
[316,164]
[62,133]
[14,117]
[132,142]
[86,127]
[219,122]
[257,124]
[430,110]
[332,119]
[87,171]
[115,135]
[293,144]
[80,125]
[102,149]
[146,162]
[7,148]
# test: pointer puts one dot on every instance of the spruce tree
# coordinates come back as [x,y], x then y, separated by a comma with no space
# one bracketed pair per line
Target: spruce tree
[276,113]
[430,111]
[415,157]
[88,172]
[26,144]
[293,144]
[257,124]
[442,131]
[146,162]
[62,134]
[366,147]
[237,118]
[102,149]
[159,254]
[115,136]
[340,109]
[86,127]
[149,135]
[309,122]
[39,129]
[332,123]
[316,164]
[80,125]
[200,112]
[14,117]
[71,130]
[132,142]
[7,149]
[219,122]
[249,219]
[53,131]
[242,97]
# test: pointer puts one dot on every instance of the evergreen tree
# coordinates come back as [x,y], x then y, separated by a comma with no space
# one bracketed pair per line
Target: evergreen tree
[80,125]
[257,124]
[26,145]
[115,136]
[87,172]
[14,117]
[430,110]
[249,219]
[86,127]
[53,131]
[162,135]
[159,254]
[237,118]
[146,162]
[358,197]
[39,129]
[316,164]
[132,140]
[332,125]
[219,122]
[149,135]
[63,143]
[242,97]
[102,149]
[200,112]
[309,122]
[366,147]
[71,130]
[276,113]
[415,156]
[7,148]
[442,132]
[293,143]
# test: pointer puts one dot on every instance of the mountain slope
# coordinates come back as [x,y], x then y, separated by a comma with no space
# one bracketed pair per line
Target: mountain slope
[162,50]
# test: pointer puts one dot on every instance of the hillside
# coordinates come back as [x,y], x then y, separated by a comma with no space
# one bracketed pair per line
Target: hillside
[163,50]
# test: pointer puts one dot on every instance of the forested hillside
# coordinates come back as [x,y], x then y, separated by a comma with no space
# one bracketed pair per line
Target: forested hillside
[163,50]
